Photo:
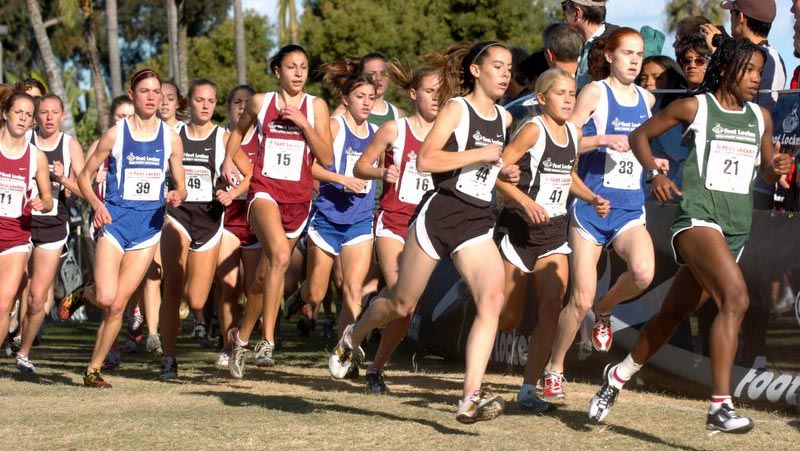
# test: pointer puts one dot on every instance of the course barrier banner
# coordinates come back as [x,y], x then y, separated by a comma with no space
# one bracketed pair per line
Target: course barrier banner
[767,367]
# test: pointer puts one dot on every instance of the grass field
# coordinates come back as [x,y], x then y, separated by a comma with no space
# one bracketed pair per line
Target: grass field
[296,405]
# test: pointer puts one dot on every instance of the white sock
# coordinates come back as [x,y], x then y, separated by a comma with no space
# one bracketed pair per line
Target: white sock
[717,401]
[627,368]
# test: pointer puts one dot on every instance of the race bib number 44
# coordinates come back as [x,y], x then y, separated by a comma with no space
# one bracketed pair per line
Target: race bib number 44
[142,184]
[12,194]
[553,193]
[477,180]
[730,166]
[283,159]
[198,184]
[622,171]
[414,184]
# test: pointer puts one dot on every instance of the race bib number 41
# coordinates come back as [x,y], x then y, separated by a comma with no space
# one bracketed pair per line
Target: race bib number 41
[553,193]
[283,159]
[142,184]
[730,166]
[622,171]
[12,193]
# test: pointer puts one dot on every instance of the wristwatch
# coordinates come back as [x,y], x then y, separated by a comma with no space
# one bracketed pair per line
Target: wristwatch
[651,174]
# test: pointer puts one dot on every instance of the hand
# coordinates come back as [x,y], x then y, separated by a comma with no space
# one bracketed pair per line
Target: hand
[101,216]
[174,199]
[619,143]
[601,206]
[535,212]
[709,31]
[58,171]
[230,172]
[353,184]
[509,174]
[781,162]
[37,204]
[391,174]
[662,163]
[663,187]
[492,153]
[224,197]
[292,113]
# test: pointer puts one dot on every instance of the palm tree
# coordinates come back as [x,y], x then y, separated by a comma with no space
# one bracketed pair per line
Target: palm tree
[288,31]
[678,9]
[241,51]
[94,59]
[51,65]
[172,37]
[183,47]
[113,48]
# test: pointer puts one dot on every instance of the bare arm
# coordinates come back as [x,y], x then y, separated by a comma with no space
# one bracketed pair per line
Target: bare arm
[319,137]
[96,158]
[774,164]
[512,153]
[70,181]
[376,149]
[178,195]
[44,202]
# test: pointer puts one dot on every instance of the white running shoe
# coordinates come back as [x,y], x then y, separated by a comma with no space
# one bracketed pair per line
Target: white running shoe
[602,402]
[222,360]
[24,364]
[238,354]
[344,355]
[264,350]
[725,419]
[480,406]
[154,345]
[602,335]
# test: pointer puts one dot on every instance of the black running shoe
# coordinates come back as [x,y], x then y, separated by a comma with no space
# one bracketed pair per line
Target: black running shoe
[376,384]
[726,419]
[305,326]
[294,303]
[603,400]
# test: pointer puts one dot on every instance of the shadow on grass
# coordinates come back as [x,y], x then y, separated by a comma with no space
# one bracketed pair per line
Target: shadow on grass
[293,404]
[38,379]
[795,424]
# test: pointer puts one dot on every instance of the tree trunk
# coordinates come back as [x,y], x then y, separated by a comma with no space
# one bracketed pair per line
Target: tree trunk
[172,37]
[98,82]
[294,30]
[113,48]
[241,51]
[50,63]
[183,49]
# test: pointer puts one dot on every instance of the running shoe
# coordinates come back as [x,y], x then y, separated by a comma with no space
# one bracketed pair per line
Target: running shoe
[726,419]
[93,379]
[183,311]
[130,346]
[70,303]
[264,350]
[113,359]
[602,335]
[293,304]
[223,359]
[305,326]
[376,384]
[154,345]
[481,406]
[169,369]
[602,402]
[238,354]
[327,327]
[552,385]
[344,355]
[529,401]
[24,364]
[199,332]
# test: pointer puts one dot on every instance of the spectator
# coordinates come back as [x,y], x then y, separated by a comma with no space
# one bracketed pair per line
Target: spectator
[590,18]
[795,9]
[518,85]
[692,55]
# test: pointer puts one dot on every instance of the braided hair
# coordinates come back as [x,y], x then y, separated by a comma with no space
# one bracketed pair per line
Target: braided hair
[727,64]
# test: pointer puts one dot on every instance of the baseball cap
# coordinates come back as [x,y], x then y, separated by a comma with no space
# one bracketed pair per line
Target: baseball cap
[761,10]
[590,2]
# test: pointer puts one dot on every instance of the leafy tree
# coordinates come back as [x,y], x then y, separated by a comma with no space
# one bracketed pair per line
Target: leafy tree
[676,10]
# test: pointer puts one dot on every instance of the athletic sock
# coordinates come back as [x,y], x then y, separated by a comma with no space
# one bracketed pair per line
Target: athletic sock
[623,371]
[717,401]
[238,340]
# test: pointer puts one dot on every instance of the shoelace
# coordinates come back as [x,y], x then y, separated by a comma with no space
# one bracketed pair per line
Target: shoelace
[606,395]
[730,412]
[263,348]
[603,327]
[554,380]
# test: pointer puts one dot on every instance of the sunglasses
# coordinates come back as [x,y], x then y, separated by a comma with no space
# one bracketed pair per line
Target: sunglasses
[697,60]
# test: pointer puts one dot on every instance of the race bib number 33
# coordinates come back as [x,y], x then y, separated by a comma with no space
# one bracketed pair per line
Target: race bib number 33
[142,184]
[730,166]
[622,171]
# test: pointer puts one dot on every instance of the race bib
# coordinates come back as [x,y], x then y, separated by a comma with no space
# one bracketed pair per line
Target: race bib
[730,166]
[12,194]
[283,159]
[622,171]
[350,164]
[414,184]
[477,180]
[198,184]
[142,184]
[553,193]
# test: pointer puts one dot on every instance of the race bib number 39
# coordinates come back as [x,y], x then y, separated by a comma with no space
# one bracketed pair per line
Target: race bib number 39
[414,184]
[198,184]
[477,180]
[730,166]
[12,193]
[283,159]
[622,171]
[142,184]
[553,193]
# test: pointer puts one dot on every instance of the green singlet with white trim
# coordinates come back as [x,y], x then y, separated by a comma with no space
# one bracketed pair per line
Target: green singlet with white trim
[724,156]
[380,119]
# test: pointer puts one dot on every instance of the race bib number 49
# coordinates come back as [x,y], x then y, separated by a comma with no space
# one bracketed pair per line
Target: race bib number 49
[730,166]
[12,193]
[198,184]
[283,159]
[142,184]
[622,171]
